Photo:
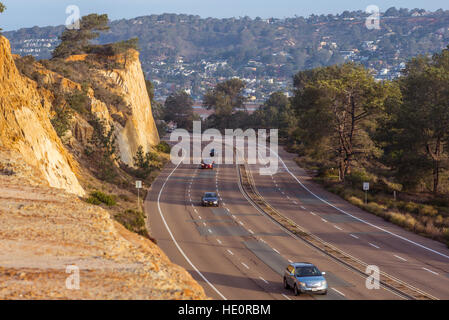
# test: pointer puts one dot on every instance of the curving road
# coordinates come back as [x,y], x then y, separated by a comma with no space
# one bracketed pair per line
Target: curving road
[236,252]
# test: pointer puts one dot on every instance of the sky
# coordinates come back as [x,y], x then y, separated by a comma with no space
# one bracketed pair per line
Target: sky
[29,13]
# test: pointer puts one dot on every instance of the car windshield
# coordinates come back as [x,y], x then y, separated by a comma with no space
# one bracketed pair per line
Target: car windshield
[307,272]
[210,195]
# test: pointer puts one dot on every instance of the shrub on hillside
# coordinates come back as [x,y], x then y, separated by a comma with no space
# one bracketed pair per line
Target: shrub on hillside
[355,201]
[375,208]
[134,221]
[163,147]
[98,197]
[427,210]
[78,101]
[357,177]
[61,120]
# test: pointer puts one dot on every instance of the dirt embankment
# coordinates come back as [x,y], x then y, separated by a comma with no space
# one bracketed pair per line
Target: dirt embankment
[44,230]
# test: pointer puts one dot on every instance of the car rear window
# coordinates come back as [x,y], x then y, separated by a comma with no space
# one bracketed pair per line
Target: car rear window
[210,195]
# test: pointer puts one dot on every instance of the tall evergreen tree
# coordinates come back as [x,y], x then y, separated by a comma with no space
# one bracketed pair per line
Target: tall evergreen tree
[76,41]
[337,107]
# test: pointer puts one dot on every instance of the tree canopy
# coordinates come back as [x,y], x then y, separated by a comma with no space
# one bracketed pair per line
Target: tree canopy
[226,98]
[76,41]
[178,108]
[336,107]
[2,9]
[417,127]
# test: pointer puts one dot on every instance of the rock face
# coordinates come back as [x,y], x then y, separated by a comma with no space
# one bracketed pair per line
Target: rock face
[139,128]
[44,233]
[134,124]
[26,128]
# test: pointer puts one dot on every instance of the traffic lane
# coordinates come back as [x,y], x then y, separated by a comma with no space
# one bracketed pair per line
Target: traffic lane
[264,230]
[218,224]
[204,254]
[356,238]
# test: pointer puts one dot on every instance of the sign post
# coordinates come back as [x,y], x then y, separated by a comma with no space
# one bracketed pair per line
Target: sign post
[138,187]
[366,188]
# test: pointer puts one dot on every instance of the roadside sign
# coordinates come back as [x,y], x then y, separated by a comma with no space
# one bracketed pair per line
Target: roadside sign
[139,184]
[365,186]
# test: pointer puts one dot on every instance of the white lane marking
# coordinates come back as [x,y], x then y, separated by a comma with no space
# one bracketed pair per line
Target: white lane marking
[196,211]
[251,231]
[200,217]
[204,223]
[337,227]
[241,223]
[312,213]
[348,214]
[373,245]
[210,231]
[288,197]
[435,273]
[276,250]
[285,296]
[263,280]
[295,202]
[219,241]
[230,252]
[400,258]
[354,236]
[263,240]
[228,210]
[290,261]
[302,207]
[324,220]
[173,238]
[338,292]
[245,265]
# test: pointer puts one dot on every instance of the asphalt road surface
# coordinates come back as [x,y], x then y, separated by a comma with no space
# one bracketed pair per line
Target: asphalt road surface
[236,252]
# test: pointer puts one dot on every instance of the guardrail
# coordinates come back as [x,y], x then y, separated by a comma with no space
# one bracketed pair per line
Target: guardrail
[401,288]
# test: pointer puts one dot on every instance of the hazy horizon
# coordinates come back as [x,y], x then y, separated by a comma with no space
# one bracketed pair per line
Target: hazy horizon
[30,13]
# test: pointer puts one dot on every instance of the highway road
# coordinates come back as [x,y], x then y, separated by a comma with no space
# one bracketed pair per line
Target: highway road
[237,252]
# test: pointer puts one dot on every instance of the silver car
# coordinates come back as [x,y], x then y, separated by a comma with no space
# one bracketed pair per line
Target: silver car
[304,277]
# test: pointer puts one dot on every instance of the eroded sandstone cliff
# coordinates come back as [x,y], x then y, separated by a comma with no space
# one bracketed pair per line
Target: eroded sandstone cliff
[45,226]
[139,128]
[25,126]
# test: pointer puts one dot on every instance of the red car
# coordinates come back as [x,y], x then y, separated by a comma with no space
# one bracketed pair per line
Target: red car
[207,164]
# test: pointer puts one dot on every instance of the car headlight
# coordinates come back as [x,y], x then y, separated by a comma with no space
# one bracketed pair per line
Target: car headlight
[215,202]
[323,283]
[302,284]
